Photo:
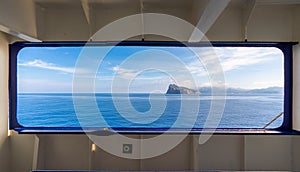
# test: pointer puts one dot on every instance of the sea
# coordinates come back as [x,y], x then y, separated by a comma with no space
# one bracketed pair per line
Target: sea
[150,111]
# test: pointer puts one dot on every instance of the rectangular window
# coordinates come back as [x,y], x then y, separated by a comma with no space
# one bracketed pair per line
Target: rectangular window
[150,86]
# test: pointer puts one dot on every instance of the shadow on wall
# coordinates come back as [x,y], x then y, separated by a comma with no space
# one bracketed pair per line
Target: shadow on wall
[4,153]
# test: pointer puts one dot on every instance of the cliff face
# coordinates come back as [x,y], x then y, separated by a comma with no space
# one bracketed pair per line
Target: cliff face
[174,89]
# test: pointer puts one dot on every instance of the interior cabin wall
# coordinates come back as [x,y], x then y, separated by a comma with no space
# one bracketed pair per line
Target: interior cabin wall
[295,153]
[222,152]
[58,23]
[4,139]
[228,27]
[21,152]
[296,98]
[272,23]
[219,153]
[188,155]
[296,63]
[18,16]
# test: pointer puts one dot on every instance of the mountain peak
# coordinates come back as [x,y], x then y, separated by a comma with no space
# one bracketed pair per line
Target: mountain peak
[175,89]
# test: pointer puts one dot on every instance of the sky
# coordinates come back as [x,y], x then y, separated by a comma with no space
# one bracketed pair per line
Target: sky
[146,69]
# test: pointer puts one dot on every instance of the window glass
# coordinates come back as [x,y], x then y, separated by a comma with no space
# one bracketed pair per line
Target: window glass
[160,83]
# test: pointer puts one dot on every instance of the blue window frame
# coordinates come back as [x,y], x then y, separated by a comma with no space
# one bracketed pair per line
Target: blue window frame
[16,124]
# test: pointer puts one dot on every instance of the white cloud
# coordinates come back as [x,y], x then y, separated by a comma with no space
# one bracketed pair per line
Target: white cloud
[134,75]
[44,65]
[195,68]
[124,73]
[230,58]
[245,56]
[234,63]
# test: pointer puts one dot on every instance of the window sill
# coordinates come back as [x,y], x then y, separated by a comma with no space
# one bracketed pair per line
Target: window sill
[107,132]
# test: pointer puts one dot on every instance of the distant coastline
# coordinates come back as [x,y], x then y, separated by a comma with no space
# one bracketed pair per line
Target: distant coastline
[175,89]
[202,90]
[241,91]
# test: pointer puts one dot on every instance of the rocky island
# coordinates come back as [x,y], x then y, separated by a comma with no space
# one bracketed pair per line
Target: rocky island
[174,89]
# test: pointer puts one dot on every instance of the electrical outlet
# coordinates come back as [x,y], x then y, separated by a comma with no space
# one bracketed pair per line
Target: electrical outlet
[127,148]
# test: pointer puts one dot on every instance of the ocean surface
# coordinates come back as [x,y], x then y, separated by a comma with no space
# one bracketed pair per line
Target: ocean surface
[147,111]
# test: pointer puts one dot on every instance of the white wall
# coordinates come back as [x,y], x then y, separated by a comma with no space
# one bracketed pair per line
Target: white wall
[221,152]
[21,152]
[4,140]
[268,153]
[271,23]
[64,152]
[296,90]
[228,26]
[19,16]
[59,23]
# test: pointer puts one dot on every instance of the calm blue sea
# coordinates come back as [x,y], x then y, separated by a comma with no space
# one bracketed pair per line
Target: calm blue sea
[156,111]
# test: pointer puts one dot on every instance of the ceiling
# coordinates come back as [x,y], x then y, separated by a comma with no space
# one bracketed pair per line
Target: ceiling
[158,3]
